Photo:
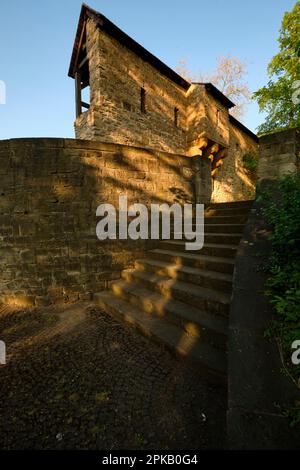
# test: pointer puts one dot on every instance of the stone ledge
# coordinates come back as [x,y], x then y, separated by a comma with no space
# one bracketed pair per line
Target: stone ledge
[79,144]
[255,380]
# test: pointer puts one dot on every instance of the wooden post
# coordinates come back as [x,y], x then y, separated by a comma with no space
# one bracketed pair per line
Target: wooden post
[78,93]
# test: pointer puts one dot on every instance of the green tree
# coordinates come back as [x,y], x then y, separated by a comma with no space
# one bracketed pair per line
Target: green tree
[280,98]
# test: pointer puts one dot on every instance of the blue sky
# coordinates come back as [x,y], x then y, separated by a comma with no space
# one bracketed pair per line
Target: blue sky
[36,39]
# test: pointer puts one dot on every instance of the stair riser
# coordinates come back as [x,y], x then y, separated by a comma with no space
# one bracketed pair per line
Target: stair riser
[219,220]
[203,281]
[227,211]
[208,335]
[206,250]
[237,219]
[222,238]
[226,228]
[201,264]
[210,306]
[231,205]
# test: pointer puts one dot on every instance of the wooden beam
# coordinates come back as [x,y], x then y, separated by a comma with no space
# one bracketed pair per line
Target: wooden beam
[85,105]
[78,94]
[83,62]
[79,44]
[85,84]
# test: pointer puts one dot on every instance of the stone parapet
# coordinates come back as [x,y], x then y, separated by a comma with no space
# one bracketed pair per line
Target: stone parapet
[50,189]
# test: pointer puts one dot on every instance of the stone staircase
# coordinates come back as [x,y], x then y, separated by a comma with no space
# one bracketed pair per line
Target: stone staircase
[182,298]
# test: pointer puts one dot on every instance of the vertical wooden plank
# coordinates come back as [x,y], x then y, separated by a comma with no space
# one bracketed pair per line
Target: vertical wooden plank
[78,93]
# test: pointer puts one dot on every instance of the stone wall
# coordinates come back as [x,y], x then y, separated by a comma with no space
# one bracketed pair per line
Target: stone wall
[233,182]
[207,118]
[279,154]
[50,189]
[117,76]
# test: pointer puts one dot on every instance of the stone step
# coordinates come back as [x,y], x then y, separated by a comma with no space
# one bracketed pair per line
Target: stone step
[211,361]
[202,277]
[219,238]
[225,219]
[210,210]
[223,238]
[211,301]
[211,328]
[223,228]
[232,205]
[212,263]
[220,219]
[210,249]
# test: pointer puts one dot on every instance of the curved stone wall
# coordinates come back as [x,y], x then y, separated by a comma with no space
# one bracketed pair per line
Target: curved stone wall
[49,192]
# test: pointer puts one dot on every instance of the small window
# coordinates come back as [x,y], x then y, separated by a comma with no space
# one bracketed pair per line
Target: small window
[127,106]
[218,117]
[143,100]
[176,112]
[86,92]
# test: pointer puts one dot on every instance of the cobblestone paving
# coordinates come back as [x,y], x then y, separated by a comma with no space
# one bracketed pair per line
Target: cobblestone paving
[76,378]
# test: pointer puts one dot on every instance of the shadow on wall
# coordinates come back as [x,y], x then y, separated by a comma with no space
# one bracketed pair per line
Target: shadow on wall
[120,118]
[50,191]
[233,182]
[115,114]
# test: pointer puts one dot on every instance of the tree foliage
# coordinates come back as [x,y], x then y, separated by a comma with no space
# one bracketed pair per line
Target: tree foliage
[276,98]
[229,77]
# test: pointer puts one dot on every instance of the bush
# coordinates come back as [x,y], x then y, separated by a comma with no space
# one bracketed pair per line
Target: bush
[283,266]
[250,162]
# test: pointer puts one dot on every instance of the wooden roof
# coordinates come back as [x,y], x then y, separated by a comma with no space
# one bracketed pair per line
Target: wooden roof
[110,28]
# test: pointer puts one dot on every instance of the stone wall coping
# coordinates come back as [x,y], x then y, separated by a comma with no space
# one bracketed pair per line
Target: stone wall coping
[60,142]
[278,136]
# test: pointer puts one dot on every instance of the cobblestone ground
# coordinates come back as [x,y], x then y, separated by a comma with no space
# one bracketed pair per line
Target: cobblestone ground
[76,378]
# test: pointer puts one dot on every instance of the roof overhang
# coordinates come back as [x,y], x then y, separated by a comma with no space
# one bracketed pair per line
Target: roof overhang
[217,94]
[111,29]
[243,128]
